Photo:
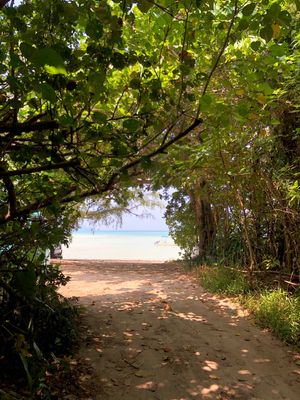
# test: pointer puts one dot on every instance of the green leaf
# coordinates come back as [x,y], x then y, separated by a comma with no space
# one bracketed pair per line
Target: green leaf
[146,163]
[55,70]
[284,17]
[19,24]
[243,25]
[275,122]
[278,50]
[267,33]
[25,282]
[66,121]
[94,29]
[3,68]
[125,177]
[266,88]
[206,102]
[15,61]
[48,93]
[27,50]
[248,9]
[118,60]
[144,5]
[47,56]
[274,10]
[242,110]
[96,81]
[99,117]
[132,124]
[255,45]
[135,83]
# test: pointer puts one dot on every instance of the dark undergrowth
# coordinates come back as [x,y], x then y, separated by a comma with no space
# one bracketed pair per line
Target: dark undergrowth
[33,363]
[39,329]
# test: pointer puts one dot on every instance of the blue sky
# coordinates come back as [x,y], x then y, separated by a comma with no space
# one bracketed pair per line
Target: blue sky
[132,223]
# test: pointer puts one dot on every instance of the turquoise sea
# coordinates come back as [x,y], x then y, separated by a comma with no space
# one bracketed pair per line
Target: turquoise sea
[144,233]
[92,243]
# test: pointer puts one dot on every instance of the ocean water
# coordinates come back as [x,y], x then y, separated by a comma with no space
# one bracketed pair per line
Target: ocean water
[121,245]
[96,232]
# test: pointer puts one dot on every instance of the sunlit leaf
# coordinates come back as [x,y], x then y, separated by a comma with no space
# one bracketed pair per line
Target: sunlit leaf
[55,70]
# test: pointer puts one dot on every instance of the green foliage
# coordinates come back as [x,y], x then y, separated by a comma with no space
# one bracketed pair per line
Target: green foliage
[223,280]
[180,220]
[99,97]
[279,311]
[35,323]
[35,320]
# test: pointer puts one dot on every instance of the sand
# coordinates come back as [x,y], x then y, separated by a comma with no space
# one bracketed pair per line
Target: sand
[111,247]
[150,332]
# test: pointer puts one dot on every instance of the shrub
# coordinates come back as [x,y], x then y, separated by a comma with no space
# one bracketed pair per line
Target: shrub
[35,321]
[223,280]
[278,311]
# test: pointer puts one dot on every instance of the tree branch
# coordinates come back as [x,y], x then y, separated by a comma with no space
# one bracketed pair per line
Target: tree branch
[216,63]
[28,127]
[164,9]
[11,193]
[3,3]
[11,197]
[38,205]
[126,167]
[167,144]
[66,197]
[47,167]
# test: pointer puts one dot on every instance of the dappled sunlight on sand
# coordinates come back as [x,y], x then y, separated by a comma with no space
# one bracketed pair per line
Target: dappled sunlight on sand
[153,334]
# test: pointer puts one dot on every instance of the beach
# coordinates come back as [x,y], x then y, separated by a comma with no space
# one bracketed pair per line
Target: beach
[122,245]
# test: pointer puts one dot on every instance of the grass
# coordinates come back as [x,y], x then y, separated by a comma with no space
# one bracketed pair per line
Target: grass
[279,311]
[275,309]
[223,280]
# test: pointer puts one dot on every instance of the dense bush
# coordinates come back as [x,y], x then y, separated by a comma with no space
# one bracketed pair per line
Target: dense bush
[35,320]
[34,323]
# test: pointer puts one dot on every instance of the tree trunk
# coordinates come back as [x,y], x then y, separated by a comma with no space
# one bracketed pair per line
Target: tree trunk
[204,218]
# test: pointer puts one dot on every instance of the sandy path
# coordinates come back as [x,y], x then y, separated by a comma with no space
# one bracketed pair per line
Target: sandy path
[153,334]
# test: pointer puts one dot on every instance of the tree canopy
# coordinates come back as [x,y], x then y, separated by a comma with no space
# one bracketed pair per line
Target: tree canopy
[99,97]
[92,91]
